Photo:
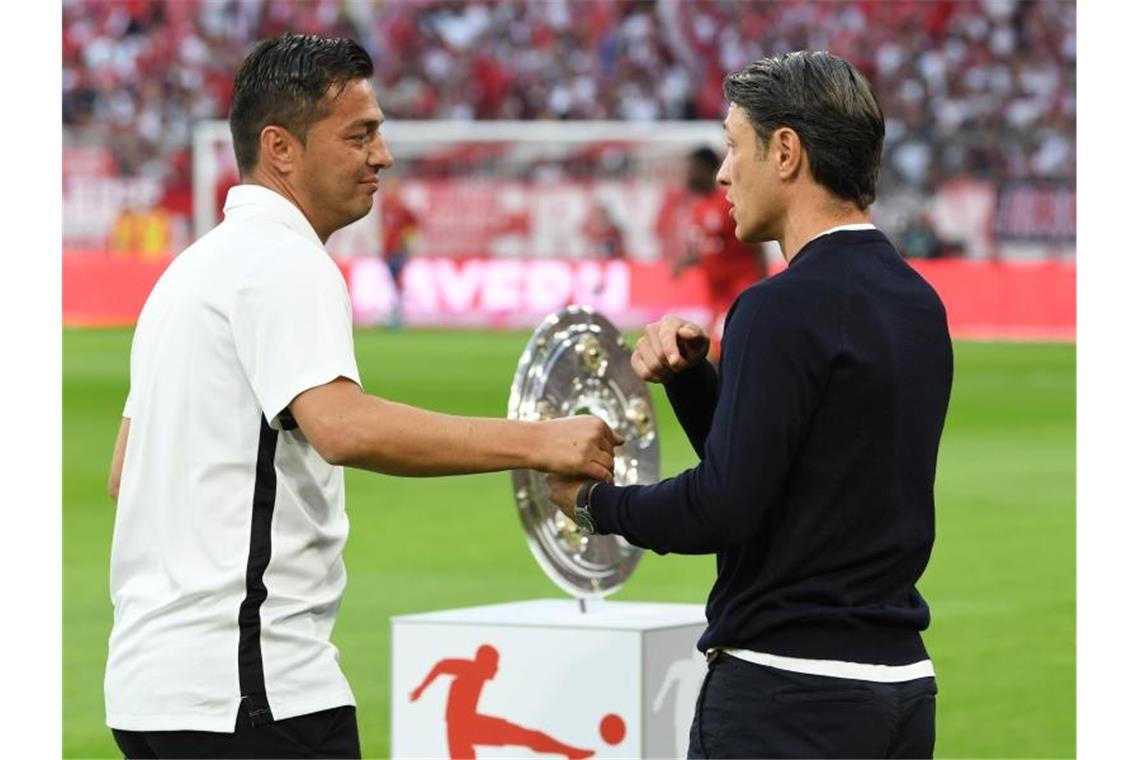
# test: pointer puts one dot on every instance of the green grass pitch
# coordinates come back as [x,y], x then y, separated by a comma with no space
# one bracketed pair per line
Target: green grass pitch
[1001,583]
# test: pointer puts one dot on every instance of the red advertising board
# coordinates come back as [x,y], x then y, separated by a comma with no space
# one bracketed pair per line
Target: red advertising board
[988,300]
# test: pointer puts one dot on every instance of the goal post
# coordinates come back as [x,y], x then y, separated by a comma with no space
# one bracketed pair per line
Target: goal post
[534,180]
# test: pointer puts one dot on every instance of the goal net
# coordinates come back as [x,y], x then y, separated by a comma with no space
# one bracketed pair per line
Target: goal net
[529,189]
[511,220]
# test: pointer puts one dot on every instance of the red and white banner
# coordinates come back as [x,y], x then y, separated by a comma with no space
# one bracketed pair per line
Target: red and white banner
[1030,301]
[546,219]
[518,292]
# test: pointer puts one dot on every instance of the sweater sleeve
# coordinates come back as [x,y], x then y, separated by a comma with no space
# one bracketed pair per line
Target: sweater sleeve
[692,394]
[774,368]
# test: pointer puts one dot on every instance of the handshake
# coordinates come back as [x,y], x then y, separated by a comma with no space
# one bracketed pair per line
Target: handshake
[579,449]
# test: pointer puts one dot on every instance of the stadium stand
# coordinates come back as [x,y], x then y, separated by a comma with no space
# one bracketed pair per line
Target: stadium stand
[980,96]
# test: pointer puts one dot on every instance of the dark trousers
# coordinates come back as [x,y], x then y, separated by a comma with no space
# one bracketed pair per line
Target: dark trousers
[328,733]
[750,710]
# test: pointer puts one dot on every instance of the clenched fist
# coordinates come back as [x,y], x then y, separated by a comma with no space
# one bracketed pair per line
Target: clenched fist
[581,446]
[669,346]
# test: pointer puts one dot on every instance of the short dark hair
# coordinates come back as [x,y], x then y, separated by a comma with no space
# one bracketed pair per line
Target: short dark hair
[283,82]
[829,104]
[706,157]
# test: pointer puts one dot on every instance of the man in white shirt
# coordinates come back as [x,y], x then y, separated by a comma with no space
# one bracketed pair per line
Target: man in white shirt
[245,403]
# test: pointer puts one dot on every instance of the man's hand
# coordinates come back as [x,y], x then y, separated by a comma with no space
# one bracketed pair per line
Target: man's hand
[669,346]
[581,446]
[564,492]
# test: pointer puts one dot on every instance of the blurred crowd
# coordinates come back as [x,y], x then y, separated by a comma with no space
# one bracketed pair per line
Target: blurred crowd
[981,88]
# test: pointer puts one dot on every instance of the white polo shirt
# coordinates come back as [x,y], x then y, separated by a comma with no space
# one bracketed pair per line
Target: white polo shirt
[226,568]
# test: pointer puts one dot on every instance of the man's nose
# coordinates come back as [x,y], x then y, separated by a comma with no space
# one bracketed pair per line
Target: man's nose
[380,155]
[722,173]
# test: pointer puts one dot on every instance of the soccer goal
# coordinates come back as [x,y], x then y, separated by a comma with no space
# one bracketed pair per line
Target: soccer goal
[515,189]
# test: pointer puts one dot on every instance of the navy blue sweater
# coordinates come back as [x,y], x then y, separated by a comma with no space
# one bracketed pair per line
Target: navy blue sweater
[817,445]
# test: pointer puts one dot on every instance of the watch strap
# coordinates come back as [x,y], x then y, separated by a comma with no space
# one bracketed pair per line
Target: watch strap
[583,517]
[585,491]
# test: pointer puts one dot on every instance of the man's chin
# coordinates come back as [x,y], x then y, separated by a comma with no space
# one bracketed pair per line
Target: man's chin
[754,234]
[361,210]
[749,236]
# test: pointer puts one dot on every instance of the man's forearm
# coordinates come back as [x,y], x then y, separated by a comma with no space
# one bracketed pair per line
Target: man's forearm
[349,427]
[397,439]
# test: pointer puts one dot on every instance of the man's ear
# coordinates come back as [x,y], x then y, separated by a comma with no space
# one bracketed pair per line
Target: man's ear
[279,148]
[789,154]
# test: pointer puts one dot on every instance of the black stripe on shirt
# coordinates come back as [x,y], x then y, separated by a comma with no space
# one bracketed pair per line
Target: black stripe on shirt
[251,674]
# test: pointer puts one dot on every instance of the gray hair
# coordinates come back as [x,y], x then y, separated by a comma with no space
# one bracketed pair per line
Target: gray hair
[829,105]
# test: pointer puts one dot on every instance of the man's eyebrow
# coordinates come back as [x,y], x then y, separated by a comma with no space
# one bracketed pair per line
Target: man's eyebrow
[366,122]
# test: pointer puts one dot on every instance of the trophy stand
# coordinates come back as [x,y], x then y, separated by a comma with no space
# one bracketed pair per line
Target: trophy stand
[575,677]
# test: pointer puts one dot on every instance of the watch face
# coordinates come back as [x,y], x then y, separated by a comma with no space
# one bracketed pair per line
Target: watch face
[584,520]
[577,363]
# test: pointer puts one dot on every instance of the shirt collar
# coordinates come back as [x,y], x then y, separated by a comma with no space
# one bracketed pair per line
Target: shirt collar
[243,200]
[844,228]
[841,228]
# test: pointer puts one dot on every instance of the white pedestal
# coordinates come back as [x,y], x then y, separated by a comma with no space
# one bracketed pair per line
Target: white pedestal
[542,678]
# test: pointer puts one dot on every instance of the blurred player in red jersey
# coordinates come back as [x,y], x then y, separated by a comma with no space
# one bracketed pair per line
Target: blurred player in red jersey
[399,227]
[604,233]
[729,265]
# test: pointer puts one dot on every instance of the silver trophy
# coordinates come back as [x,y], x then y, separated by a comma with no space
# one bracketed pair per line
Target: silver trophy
[578,363]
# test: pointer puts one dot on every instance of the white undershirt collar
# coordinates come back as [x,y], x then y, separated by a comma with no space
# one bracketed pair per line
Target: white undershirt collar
[845,228]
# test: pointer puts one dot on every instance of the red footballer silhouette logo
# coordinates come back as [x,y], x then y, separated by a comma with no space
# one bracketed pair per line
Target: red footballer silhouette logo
[467,728]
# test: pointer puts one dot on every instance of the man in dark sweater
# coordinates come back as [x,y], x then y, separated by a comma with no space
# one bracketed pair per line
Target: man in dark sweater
[817,441]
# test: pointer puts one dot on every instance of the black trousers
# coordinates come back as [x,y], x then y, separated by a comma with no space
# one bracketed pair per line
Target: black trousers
[328,733]
[750,710]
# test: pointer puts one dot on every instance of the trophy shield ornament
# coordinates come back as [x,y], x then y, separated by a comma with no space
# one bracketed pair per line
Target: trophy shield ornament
[577,362]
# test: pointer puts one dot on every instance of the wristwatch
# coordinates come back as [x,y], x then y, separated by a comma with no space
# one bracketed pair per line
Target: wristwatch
[582,517]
